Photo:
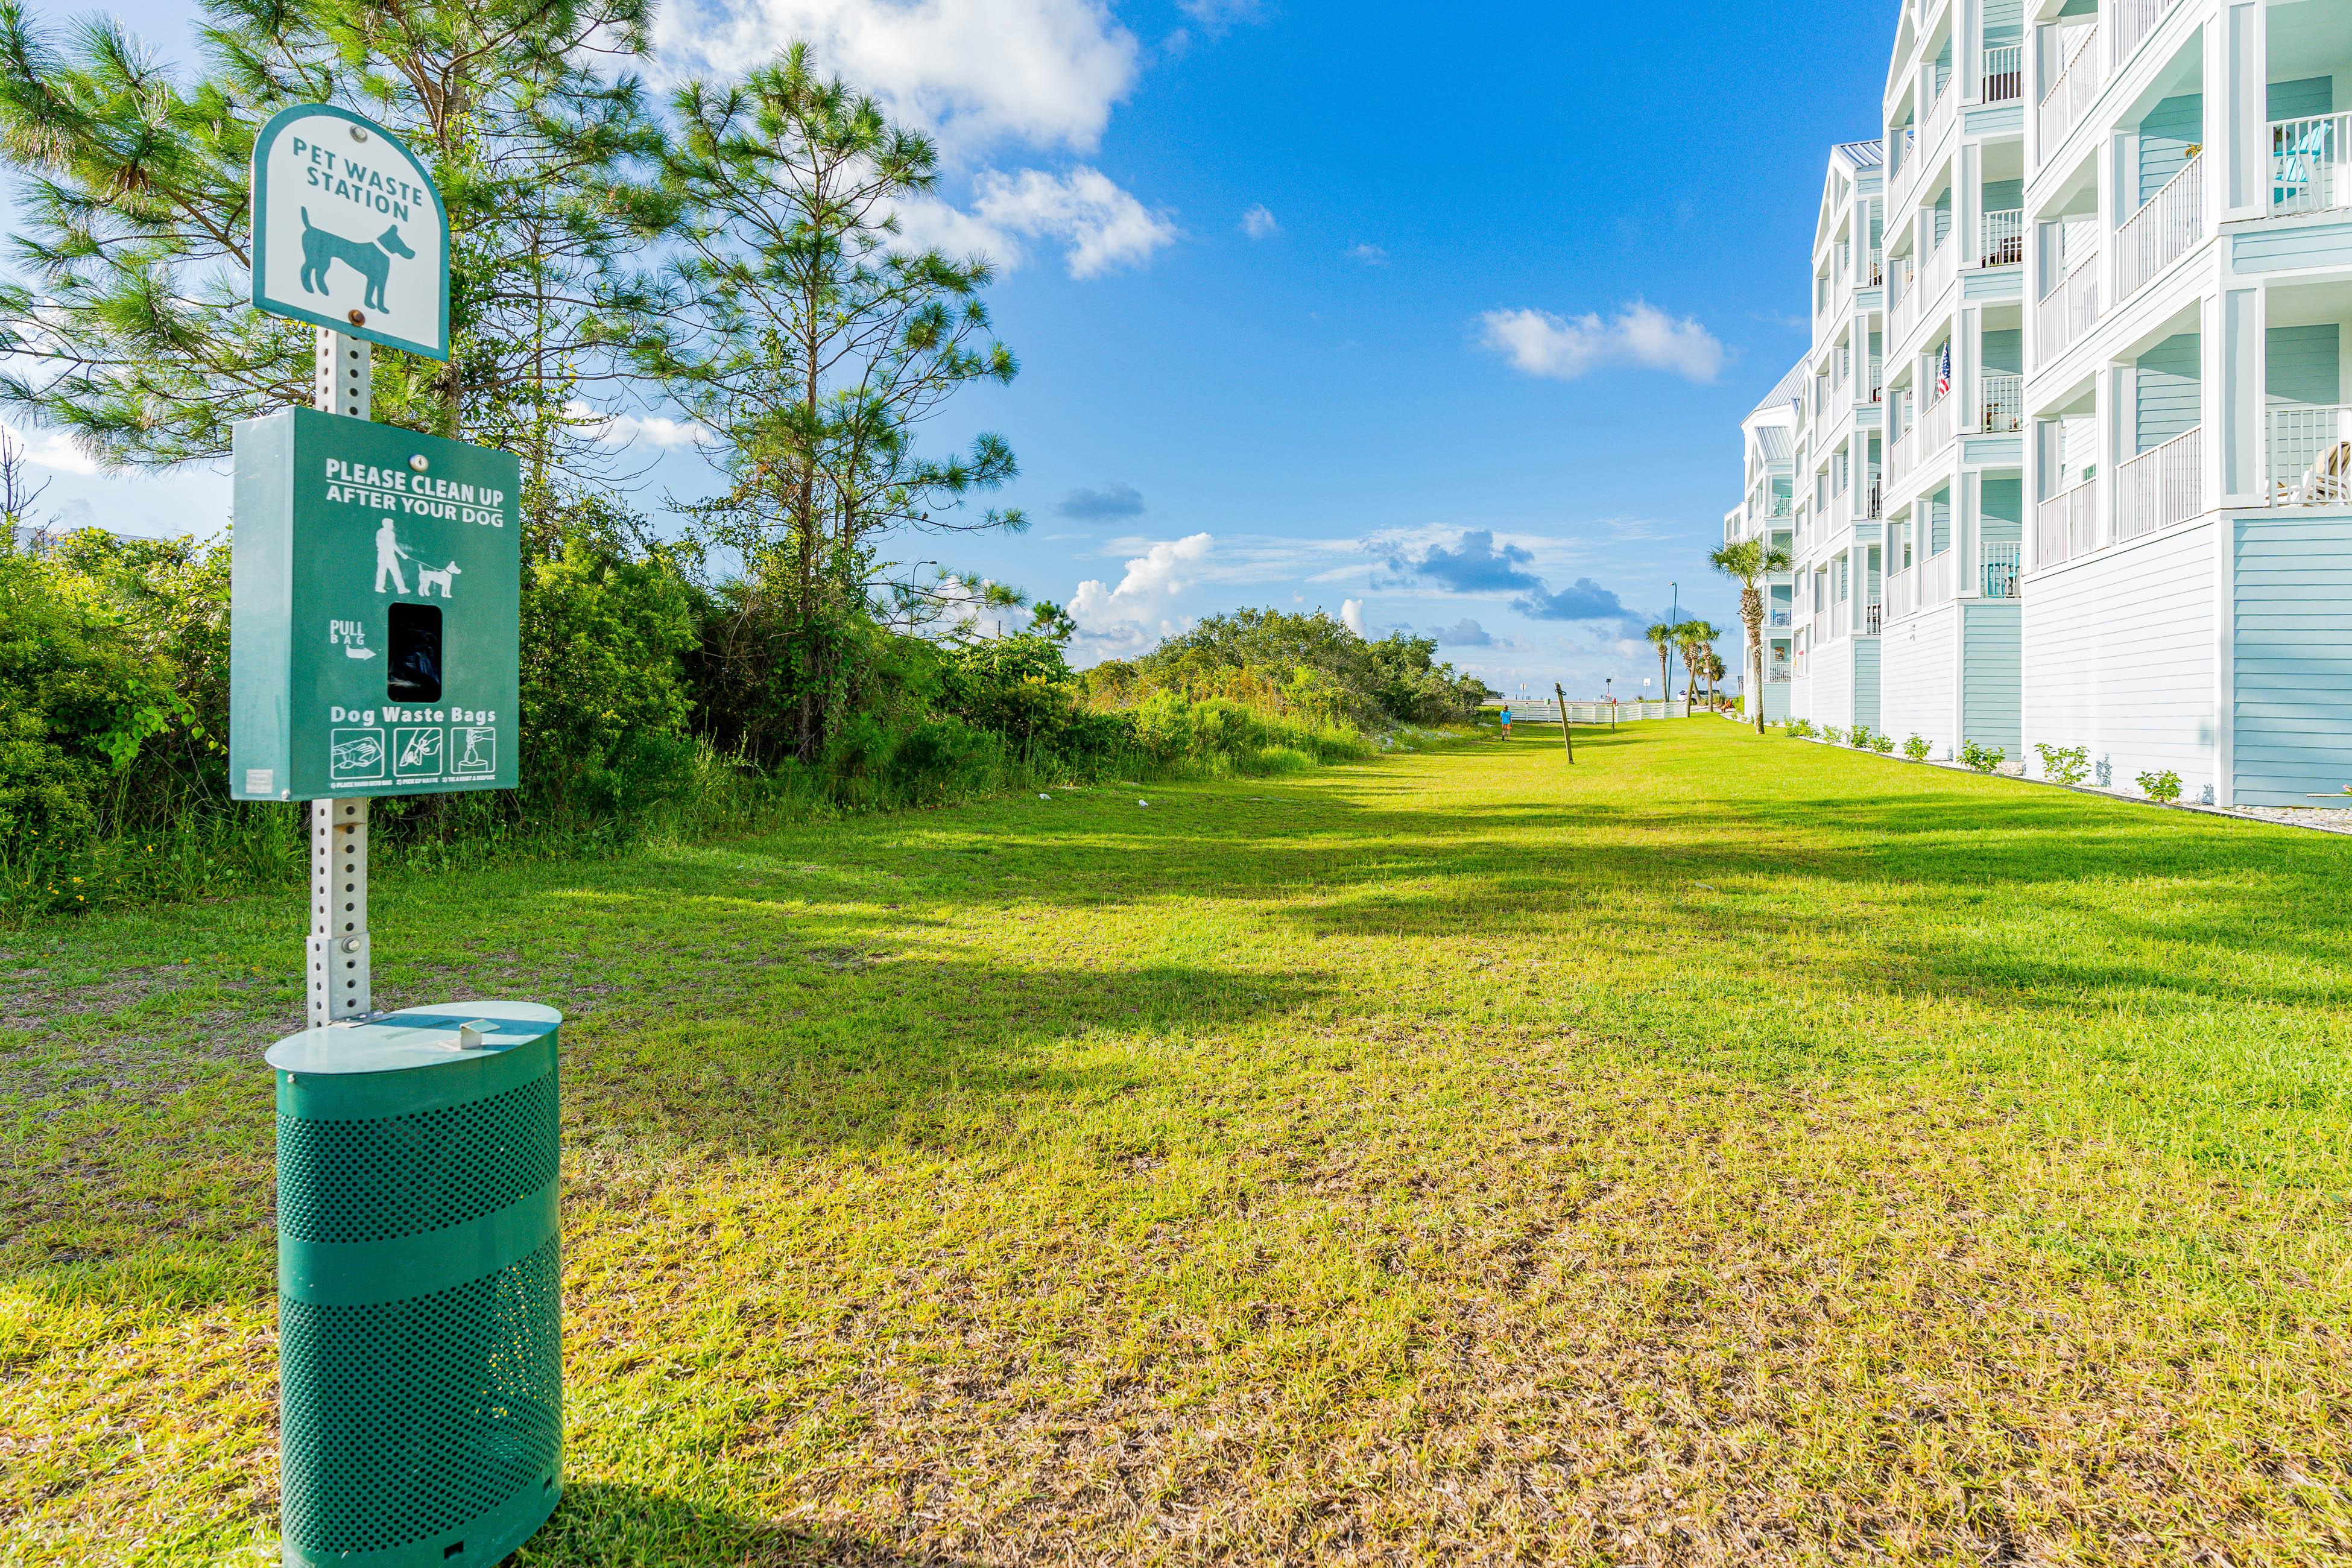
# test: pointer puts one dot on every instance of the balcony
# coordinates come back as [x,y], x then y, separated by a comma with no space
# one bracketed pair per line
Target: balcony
[2162,487]
[2004,73]
[2070,96]
[1870,620]
[2164,229]
[2004,403]
[1902,594]
[2311,165]
[1936,580]
[1776,674]
[2311,455]
[2067,312]
[2000,568]
[2134,20]
[1877,379]
[1934,274]
[1784,618]
[2066,526]
[1877,269]
[2000,240]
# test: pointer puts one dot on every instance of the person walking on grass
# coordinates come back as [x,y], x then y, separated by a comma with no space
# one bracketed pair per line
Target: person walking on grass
[1507,720]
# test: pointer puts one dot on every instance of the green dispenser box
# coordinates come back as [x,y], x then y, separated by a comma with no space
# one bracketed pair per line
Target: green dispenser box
[420,1287]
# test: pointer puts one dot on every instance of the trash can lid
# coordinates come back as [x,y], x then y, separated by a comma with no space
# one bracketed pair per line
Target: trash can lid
[416,1038]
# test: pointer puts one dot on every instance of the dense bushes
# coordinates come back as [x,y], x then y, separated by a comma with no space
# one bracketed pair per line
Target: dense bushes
[650,700]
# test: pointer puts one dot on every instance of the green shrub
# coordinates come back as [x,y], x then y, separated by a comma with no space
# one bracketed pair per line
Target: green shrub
[1882,744]
[1917,748]
[2064,765]
[1861,737]
[1984,759]
[2163,786]
[1833,734]
[1800,728]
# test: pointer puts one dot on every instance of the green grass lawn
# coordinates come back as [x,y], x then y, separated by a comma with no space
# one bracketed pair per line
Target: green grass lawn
[1728,1150]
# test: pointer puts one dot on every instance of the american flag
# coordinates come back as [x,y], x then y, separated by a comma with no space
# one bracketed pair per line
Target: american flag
[1944,372]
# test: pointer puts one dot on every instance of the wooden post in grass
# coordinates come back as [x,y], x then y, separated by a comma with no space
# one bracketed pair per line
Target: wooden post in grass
[1567,739]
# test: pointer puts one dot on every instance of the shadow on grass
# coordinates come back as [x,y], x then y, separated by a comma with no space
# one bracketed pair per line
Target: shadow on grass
[603,1525]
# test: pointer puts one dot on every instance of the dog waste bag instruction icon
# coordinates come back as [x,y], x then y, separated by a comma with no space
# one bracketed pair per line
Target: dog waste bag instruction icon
[348,231]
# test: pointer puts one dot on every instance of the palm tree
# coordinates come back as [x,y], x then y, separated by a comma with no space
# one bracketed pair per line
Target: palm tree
[1744,560]
[1713,676]
[1661,637]
[1691,638]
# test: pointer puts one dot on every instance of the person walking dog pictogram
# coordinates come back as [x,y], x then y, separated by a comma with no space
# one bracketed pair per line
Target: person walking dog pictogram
[388,557]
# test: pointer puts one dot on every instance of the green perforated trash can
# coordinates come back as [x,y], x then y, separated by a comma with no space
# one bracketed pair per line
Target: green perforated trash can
[419,1291]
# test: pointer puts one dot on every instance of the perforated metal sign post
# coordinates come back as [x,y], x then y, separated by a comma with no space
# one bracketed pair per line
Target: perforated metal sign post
[420,1296]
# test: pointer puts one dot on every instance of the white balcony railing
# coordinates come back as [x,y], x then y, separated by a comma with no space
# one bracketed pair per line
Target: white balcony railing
[1877,388]
[1925,287]
[2164,229]
[1902,594]
[2311,455]
[2162,487]
[1935,432]
[1936,580]
[1877,269]
[2134,20]
[2065,526]
[1783,618]
[2004,403]
[2001,240]
[2076,85]
[2000,568]
[2067,312]
[2311,163]
[2004,73]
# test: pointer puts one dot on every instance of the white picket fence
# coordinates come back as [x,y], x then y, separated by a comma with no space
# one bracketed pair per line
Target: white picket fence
[1547,711]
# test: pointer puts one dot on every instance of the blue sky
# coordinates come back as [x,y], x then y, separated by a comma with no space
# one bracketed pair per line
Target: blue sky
[1443,316]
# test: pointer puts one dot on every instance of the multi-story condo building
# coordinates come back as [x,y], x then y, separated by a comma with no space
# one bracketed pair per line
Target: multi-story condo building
[1955,118]
[2116,485]
[2188,596]
[1839,557]
[1767,513]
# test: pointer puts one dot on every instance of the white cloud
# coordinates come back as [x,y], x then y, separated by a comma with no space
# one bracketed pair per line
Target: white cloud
[634,430]
[1154,579]
[1351,615]
[977,73]
[1538,343]
[1102,226]
[51,449]
[1258,223]
[1370,254]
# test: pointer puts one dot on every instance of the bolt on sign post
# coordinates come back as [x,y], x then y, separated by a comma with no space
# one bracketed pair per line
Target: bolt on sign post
[374,615]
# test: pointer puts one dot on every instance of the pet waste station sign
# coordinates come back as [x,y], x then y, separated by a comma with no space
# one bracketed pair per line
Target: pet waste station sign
[348,231]
[374,603]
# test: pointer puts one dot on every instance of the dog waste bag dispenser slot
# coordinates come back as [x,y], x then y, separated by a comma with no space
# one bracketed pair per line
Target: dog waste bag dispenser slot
[374,624]
[419,1285]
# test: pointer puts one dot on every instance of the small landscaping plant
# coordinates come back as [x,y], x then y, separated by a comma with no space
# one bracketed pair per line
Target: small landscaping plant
[1883,744]
[1833,735]
[1984,759]
[2065,764]
[1915,748]
[1861,737]
[1799,729]
[2163,786]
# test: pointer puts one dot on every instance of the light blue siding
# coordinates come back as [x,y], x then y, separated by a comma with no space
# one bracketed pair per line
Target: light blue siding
[2291,686]
[2171,127]
[2322,244]
[2001,196]
[1939,522]
[2302,99]
[2003,501]
[1991,686]
[1865,681]
[2004,21]
[1944,216]
[2304,364]
[2004,350]
[2168,391]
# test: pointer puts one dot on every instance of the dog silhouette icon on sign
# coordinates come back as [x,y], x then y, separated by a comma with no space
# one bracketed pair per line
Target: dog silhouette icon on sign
[370,258]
